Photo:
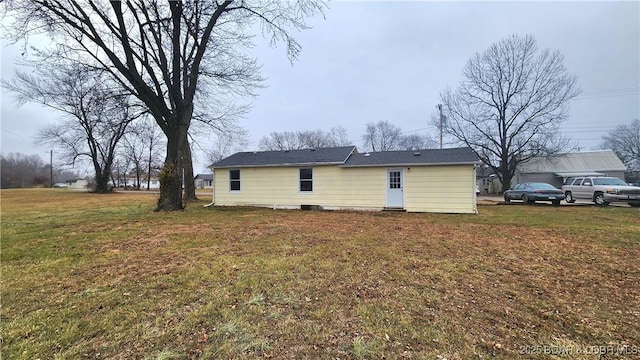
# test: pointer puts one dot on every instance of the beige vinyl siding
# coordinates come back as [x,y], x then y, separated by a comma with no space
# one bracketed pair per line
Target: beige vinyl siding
[426,188]
[447,189]
[333,187]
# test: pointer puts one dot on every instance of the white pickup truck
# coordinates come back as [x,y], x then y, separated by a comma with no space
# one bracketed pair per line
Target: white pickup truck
[601,190]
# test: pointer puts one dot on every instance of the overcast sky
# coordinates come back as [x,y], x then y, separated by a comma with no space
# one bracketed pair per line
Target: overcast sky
[371,60]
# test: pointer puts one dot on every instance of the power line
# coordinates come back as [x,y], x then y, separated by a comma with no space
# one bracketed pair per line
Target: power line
[597,92]
[607,93]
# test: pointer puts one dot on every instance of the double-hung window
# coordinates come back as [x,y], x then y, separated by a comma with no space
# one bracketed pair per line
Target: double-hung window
[234,180]
[306,179]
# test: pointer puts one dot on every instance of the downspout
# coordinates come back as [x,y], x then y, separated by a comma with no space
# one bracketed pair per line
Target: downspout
[475,184]
[213,189]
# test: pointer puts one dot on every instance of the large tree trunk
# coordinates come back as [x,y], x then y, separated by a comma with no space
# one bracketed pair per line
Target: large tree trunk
[171,174]
[505,176]
[102,177]
[102,181]
[187,163]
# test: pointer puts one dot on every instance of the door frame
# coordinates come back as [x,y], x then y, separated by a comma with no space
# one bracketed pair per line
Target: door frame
[391,194]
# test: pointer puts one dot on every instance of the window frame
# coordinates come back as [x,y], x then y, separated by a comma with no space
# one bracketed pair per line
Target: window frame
[233,180]
[302,180]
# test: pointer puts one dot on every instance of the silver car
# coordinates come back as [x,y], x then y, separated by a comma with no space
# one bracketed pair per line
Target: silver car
[601,190]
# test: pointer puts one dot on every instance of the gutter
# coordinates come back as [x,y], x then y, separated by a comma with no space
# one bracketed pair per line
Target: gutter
[213,190]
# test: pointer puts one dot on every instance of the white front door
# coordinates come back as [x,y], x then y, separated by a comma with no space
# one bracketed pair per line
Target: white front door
[395,194]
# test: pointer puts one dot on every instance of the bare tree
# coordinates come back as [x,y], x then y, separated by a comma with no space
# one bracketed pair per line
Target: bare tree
[96,118]
[308,139]
[277,141]
[339,136]
[624,140]
[226,143]
[120,169]
[19,171]
[381,136]
[510,105]
[141,147]
[416,142]
[384,136]
[164,53]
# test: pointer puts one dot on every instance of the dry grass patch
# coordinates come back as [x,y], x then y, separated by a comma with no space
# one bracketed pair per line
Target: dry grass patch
[102,276]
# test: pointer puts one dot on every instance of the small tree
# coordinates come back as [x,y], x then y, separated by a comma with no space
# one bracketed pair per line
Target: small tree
[510,105]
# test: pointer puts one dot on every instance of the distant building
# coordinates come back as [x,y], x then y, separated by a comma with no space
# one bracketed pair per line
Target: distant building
[77,184]
[487,180]
[556,169]
[130,181]
[204,181]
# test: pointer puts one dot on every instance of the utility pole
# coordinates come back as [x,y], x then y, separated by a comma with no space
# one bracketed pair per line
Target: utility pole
[51,169]
[441,123]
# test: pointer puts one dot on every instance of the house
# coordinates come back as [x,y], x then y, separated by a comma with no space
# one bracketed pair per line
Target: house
[487,180]
[556,169]
[153,183]
[77,184]
[341,178]
[204,181]
[130,181]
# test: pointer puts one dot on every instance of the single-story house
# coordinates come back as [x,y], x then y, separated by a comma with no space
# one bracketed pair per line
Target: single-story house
[130,181]
[342,178]
[77,184]
[556,169]
[204,181]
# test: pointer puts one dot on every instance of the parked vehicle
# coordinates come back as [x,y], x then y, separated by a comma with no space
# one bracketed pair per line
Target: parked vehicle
[601,190]
[532,192]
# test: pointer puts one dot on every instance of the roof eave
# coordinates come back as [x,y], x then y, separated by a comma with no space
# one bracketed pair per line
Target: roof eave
[413,164]
[275,165]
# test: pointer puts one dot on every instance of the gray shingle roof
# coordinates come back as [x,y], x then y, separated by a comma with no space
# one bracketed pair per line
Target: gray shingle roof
[324,156]
[204,177]
[418,157]
[348,156]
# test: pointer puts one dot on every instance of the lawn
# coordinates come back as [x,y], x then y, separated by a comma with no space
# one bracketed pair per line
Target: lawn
[105,277]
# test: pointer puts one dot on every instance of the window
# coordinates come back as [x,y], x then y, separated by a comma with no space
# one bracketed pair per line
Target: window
[395,180]
[234,180]
[306,179]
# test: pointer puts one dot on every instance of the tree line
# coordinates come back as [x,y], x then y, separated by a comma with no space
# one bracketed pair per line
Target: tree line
[378,136]
[22,171]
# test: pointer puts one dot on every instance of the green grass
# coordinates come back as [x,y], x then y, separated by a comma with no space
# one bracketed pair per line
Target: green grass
[103,276]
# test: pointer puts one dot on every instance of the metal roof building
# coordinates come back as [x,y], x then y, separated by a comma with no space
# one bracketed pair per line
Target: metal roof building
[555,169]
